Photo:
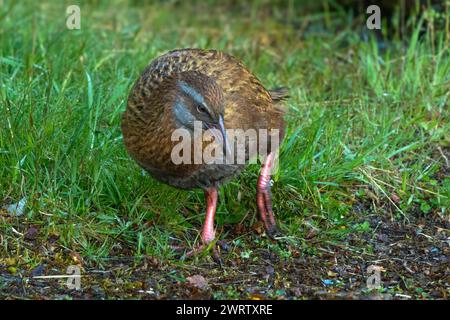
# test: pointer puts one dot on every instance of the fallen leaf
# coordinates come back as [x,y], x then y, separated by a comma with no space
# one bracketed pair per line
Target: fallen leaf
[198,281]
[331,273]
[395,198]
[258,227]
[10,262]
[257,296]
[76,258]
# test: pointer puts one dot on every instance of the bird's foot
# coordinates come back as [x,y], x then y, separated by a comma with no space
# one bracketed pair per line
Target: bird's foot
[208,234]
[204,248]
[263,200]
[216,248]
[272,231]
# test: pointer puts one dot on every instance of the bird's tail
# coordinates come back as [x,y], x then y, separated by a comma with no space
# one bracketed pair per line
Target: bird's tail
[279,94]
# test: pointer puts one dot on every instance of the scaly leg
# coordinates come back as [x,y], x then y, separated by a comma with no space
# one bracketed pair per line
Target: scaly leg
[208,233]
[263,197]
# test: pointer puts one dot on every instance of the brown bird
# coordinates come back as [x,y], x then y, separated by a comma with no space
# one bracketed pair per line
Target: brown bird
[189,86]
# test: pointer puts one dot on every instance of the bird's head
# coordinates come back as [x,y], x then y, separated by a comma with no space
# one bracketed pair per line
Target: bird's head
[199,98]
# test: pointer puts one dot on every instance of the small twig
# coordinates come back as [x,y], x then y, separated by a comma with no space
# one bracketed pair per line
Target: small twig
[16,232]
[425,235]
[443,155]
[58,276]
[402,295]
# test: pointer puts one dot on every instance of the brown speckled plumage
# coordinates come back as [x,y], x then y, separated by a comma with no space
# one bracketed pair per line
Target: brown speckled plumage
[231,92]
[148,123]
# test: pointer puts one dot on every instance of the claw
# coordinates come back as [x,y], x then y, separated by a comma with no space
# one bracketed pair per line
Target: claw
[272,231]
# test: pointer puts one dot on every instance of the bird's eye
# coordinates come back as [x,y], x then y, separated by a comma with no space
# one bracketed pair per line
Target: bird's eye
[201,109]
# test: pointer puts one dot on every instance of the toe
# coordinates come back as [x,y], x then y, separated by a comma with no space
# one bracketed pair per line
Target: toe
[272,231]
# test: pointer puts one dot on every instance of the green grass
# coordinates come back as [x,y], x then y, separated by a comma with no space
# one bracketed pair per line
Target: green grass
[364,123]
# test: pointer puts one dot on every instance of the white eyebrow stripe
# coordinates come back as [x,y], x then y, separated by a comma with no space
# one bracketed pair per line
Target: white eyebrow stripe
[193,93]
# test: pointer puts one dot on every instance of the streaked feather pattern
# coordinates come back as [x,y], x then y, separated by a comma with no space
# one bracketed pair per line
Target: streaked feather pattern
[147,124]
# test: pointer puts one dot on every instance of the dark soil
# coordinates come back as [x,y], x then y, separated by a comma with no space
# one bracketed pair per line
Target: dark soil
[413,259]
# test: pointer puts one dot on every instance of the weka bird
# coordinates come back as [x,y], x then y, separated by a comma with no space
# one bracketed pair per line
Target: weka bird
[214,88]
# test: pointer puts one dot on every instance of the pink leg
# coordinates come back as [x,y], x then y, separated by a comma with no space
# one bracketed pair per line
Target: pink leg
[208,233]
[263,197]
